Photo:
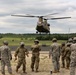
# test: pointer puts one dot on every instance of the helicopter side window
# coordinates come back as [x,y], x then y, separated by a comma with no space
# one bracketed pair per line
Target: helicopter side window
[38,22]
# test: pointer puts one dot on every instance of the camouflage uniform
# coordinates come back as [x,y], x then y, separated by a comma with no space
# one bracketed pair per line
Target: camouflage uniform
[70,40]
[5,58]
[62,55]
[35,56]
[73,58]
[67,55]
[55,51]
[21,52]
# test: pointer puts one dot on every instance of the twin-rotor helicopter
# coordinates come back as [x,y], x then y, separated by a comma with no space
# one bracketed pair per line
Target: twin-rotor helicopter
[42,25]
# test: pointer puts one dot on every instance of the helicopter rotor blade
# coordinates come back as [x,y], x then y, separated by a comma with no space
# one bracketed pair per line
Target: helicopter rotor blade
[24,15]
[50,14]
[59,18]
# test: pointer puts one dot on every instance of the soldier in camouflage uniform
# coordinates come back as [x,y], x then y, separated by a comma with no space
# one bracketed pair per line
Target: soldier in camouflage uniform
[35,55]
[62,55]
[73,58]
[55,51]
[5,58]
[70,40]
[67,55]
[21,52]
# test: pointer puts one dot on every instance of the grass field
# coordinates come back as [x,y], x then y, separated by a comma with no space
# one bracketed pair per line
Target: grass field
[16,41]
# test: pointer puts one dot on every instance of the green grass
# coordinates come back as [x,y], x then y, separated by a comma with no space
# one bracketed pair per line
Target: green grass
[27,42]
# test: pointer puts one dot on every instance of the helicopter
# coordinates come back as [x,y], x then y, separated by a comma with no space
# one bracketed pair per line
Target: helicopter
[42,25]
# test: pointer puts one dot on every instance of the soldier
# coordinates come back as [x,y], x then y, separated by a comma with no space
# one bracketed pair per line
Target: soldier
[67,55]
[35,55]
[73,58]
[21,52]
[70,40]
[62,55]
[5,58]
[55,51]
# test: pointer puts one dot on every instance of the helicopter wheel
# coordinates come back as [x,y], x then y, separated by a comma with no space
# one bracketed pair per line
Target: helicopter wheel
[37,32]
[49,33]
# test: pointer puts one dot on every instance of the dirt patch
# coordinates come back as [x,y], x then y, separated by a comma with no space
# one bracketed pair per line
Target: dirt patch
[44,69]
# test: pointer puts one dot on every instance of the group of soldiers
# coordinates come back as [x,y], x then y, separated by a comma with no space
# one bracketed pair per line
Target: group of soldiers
[67,52]
[20,53]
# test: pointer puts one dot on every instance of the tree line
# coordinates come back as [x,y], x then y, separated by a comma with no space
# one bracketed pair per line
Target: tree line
[39,36]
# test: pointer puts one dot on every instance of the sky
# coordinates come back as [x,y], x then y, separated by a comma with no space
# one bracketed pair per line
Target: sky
[12,24]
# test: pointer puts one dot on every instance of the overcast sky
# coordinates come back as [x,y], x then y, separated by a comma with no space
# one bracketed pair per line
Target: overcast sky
[12,24]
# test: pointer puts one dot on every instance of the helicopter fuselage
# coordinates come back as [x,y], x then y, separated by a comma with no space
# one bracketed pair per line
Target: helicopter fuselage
[42,27]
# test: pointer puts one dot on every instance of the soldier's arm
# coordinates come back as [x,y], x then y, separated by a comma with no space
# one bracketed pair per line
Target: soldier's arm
[0,53]
[9,54]
[50,51]
[16,52]
[59,50]
[31,47]
[65,53]
[39,48]
[27,52]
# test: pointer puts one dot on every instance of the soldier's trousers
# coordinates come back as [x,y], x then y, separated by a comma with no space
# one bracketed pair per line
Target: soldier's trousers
[67,62]
[21,61]
[73,67]
[63,61]
[56,64]
[6,62]
[35,61]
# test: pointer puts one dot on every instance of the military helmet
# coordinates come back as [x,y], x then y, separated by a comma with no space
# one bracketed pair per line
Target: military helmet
[68,44]
[54,39]
[5,42]
[70,40]
[74,38]
[36,41]
[22,43]
[63,44]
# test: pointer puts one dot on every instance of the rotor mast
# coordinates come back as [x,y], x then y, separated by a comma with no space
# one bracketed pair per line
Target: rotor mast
[45,21]
[40,19]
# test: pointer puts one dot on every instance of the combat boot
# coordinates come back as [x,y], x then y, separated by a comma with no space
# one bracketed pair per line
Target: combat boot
[25,72]
[16,69]
[36,70]
[67,68]
[58,71]
[32,70]
[55,71]
[63,66]
[11,74]
[3,74]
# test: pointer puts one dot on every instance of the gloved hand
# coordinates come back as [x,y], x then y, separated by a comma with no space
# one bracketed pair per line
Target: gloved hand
[15,59]
[11,58]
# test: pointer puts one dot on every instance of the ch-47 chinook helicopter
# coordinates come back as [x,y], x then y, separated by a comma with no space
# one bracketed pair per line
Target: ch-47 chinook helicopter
[42,25]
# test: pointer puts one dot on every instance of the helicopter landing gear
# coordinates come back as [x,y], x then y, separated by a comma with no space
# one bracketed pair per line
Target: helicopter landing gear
[37,32]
